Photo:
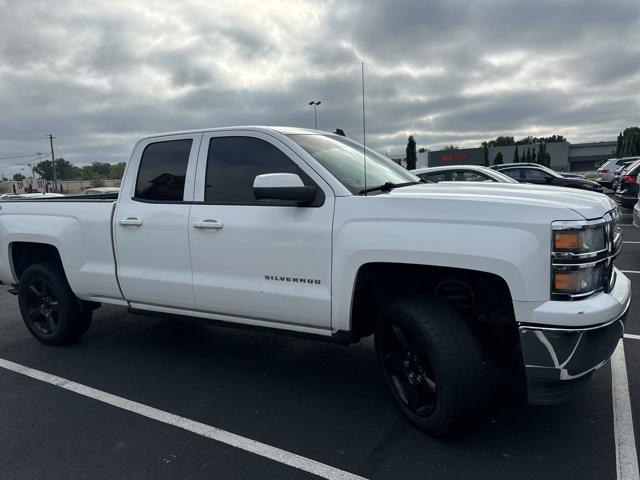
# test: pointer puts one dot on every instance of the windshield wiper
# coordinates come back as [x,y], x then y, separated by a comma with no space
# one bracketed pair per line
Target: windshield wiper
[388,186]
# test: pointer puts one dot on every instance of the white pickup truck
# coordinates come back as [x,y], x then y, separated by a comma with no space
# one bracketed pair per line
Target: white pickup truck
[463,285]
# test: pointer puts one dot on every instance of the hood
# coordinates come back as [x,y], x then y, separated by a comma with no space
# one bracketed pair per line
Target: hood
[589,205]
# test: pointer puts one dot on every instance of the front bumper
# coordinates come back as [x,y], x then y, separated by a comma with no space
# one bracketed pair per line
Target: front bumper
[559,360]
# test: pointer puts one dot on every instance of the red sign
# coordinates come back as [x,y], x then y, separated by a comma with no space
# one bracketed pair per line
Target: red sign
[454,157]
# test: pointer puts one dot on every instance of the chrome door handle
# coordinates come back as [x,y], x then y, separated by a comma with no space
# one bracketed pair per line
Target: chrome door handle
[208,224]
[130,222]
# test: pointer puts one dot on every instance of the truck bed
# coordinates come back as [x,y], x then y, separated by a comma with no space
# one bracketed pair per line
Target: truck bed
[79,227]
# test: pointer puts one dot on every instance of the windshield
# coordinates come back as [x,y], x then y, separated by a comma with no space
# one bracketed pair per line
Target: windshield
[343,158]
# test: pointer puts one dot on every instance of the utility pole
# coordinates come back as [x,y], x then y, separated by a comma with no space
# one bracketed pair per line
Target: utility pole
[53,162]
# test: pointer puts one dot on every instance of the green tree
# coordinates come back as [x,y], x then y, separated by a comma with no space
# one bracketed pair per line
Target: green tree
[64,170]
[450,147]
[18,177]
[117,170]
[485,153]
[533,156]
[412,156]
[101,169]
[528,155]
[97,182]
[630,144]
[516,155]
[499,159]
[502,141]
[618,152]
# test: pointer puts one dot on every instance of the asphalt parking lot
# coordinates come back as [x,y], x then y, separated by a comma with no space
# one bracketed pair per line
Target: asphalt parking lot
[323,402]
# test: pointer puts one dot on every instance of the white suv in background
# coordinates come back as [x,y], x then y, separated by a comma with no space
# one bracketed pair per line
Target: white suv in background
[608,170]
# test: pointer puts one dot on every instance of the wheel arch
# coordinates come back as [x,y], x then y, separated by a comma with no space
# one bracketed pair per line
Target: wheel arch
[377,283]
[24,254]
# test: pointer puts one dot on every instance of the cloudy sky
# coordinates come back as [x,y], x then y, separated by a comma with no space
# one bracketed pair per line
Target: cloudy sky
[100,74]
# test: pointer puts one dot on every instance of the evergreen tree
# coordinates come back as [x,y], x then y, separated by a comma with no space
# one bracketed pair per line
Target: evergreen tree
[498,160]
[516,155]
[528,155]
[618,152]
[485,153]
[533,155]
[412,156]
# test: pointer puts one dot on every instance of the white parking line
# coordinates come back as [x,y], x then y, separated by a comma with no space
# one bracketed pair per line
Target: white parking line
[627,241]
[632,336]
[257,448]
[630,271]
[626,455]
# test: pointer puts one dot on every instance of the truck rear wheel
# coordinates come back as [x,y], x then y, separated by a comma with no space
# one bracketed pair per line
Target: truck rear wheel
[49,307]
[432,364]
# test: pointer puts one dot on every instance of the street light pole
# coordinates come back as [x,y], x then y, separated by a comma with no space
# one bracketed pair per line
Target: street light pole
[315,104]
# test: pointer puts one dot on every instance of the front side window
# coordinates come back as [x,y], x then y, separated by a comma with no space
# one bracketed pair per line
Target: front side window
[162,171]
[344,159]
[233,163]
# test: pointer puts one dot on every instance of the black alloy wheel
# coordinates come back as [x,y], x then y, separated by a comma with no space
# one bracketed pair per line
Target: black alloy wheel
[49,308]
[432,363]
[42,306]
[411,374]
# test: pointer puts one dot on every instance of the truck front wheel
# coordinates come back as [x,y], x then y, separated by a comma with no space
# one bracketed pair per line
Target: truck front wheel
[49,307]
[432,363]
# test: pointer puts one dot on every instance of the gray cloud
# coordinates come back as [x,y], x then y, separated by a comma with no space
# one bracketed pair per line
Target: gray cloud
[100,74]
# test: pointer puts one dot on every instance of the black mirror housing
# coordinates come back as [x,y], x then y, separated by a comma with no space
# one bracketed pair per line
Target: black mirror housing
[299,195]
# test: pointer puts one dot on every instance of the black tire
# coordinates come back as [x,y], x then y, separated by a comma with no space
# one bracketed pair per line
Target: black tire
[49,308]
[434,366]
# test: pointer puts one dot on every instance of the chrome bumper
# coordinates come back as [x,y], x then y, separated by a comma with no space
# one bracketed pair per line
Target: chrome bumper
[558,360]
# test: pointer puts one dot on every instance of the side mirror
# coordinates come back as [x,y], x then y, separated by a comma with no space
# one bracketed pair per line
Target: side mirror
[286,187]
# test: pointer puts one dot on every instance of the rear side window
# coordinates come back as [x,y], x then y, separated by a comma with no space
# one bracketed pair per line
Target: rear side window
[470,176]
[514,173]
[436,177]
[162,171]
[233,163]
[633,168]
[534,174]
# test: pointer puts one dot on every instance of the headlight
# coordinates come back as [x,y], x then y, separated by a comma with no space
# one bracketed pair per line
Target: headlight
[578,280]
[582,256]
[586,240]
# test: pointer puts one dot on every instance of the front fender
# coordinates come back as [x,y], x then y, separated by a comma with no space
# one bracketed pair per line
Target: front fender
[519,254]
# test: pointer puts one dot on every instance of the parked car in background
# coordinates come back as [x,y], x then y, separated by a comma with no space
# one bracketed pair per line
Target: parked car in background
[541,175]
[627,191]
[14,196]
[461,173]
[571,175]
[608,169]
[619,172]
[101,190]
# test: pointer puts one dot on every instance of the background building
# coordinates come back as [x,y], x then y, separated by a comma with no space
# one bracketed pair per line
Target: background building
[565,156]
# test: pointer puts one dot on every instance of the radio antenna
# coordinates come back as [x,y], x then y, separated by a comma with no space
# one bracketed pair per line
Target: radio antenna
[364,135]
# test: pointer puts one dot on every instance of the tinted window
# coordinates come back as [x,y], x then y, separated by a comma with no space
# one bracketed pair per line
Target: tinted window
[534,174]
[233,163]
[470,176]
[162,171]
[633,168]
[514,173]
[436,177]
